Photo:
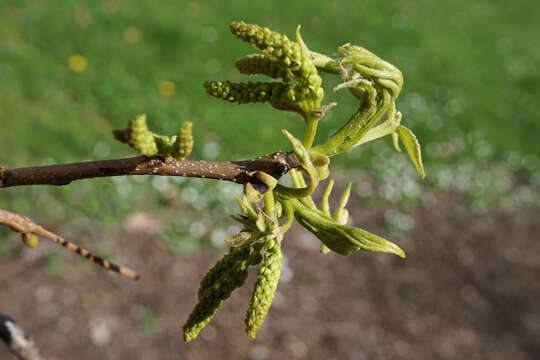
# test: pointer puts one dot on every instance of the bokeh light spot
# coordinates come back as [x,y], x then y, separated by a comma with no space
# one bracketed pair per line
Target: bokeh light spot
[193,8]
[212,65]
[209,34]
[167,88]
[132,35]
[77,63]
[109,7]
[82,15]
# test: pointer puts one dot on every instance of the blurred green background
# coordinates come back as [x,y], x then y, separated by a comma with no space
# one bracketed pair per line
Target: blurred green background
[71,71]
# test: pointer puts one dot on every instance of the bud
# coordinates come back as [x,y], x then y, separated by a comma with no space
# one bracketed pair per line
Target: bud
[30,240]
[371,66]
[183,145]
[138,136]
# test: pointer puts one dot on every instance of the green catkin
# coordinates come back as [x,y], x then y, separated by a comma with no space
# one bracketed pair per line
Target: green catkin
[147,143]
[269,43]
[250,92]
[217,285]
[138,136]
[264,65]
[289,53]
[163,143]
[183,145]
[265,288]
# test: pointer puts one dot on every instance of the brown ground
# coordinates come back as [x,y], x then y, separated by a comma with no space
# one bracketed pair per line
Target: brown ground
[468,289]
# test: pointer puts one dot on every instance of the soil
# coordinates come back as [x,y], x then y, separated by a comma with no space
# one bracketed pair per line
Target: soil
[469,288]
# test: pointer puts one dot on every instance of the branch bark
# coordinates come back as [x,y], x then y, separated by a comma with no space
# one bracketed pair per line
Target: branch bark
[240,172]
[17,341]
[25,226]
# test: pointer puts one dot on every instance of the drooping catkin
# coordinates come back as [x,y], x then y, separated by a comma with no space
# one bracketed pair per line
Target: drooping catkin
[265,288]
[217,285]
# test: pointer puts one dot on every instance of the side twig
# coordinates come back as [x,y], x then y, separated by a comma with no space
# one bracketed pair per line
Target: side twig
[24,226]
[17,341]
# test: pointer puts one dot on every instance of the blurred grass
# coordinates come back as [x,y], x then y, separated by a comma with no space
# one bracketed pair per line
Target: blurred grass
[470,73]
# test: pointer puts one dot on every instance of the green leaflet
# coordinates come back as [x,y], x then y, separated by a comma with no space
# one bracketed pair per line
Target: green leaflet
[264,289]
[341,215]
[342,239]
[412,146]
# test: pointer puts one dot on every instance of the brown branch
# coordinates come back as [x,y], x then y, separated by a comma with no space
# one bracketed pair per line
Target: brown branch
[25,226]
[241,172]
[15,339]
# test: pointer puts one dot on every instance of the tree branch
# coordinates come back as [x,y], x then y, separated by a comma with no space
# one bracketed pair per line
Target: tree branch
[25,226]
[18,343]
[241,172]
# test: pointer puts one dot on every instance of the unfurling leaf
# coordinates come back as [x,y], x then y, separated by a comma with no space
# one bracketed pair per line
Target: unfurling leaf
[342,239]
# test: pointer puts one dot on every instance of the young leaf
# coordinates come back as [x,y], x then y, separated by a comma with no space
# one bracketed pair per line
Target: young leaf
[412,146]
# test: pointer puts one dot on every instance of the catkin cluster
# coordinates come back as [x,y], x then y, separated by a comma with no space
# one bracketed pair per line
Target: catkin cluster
[289,53]
[265,288]
[147,143]
[250,92]
[217,285]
